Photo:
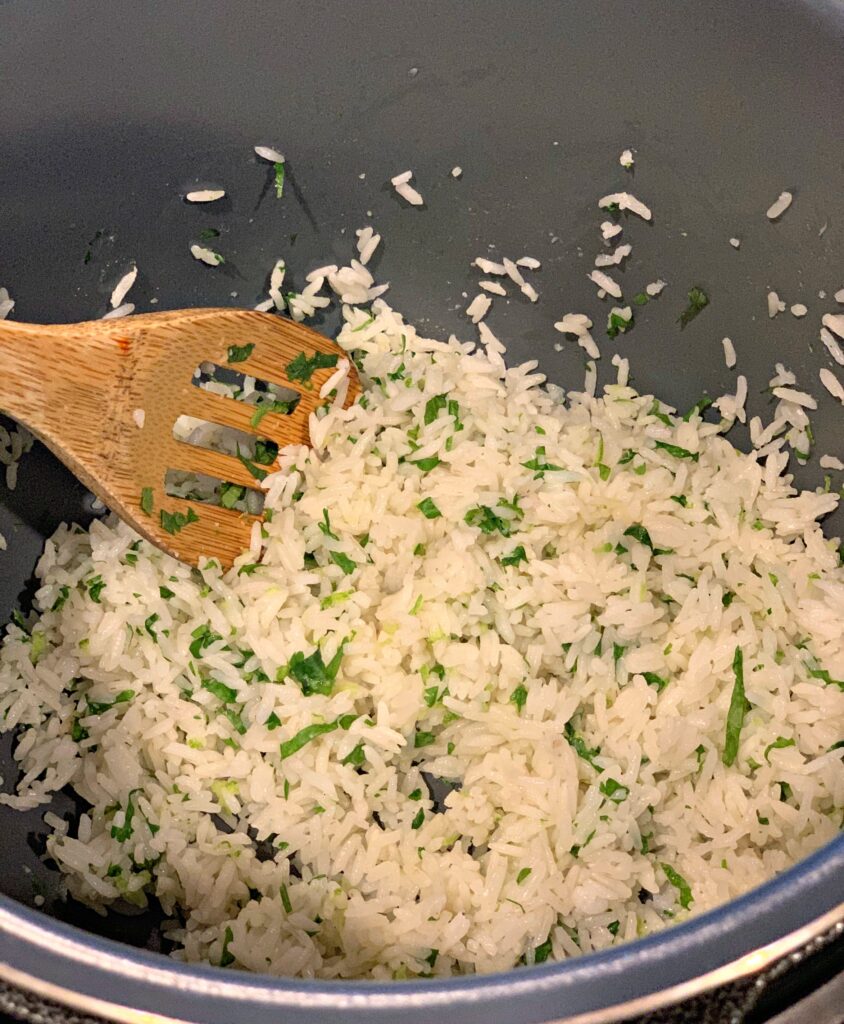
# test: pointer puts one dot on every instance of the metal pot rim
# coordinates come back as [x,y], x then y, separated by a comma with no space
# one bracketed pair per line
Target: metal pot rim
[89,973]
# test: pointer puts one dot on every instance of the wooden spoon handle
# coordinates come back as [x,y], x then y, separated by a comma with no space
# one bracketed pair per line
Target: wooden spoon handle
[58,381]
[54,374]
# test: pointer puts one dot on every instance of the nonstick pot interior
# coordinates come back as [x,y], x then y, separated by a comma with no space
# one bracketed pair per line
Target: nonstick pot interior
[110,112]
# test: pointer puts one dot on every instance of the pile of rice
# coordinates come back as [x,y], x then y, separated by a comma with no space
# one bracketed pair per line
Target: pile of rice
[510,675]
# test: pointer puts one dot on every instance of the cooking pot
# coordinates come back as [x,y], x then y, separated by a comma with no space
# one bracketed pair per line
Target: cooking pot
[109,112]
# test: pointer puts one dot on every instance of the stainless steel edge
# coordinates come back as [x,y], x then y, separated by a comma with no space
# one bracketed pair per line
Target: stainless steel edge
[745,966]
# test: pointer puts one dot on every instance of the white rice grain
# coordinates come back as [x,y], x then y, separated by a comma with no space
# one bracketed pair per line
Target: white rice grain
[780,205]
[205,195]
[478,307]
[729,353]
[121,289]
[605,282]
[205,255]
[270,154]
[832,384]
[626,201]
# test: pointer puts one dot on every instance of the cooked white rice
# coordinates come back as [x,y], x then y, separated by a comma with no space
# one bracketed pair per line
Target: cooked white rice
[269,153]
[14,443]
[605,283]
[626,201]
[121,289]
[832,384]
[401,183]
[493,287]
[478,307]
[729,353]
[780,205]
[7,303]
[205,195]
[126,309]
[610,230]
[775,304]
[206,255]
[538,597]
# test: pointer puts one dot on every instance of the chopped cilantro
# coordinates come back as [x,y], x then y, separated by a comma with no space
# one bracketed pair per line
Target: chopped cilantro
[239,353]
[95,587]
[700,406]
[680,884]
[343,561]
[278,168]
[266,452]
[281,408]
[519,697]
[100,707]
[656,410]
[677,451]
[226,958]
[312,674]
[222,692]
[428,509]
[824,676]
[338,597]
[652,679]
[123,832]
[418,819]
[231,494]
[423,739]
[433,406]
[273,722]
[325,525]
[540,465]
[614,790]
[779,744]
[516,555]
[641,299]
[149,623]
[302,368]
[698,300]
[426,465]
[203,636]
[58,604]
[304,736]
[523,875]
[487,521]
[146,502]
[542,952]
[617,324]
[285,899]
[355,757]
[578,744]
[173,522]
[736,713]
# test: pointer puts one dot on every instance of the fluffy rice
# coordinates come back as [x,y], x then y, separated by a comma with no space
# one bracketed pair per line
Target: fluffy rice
[536,598]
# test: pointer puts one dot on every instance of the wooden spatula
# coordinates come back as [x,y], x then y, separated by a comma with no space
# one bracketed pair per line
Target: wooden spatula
[83,389]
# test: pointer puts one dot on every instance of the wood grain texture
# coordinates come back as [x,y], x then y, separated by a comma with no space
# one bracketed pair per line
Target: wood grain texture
[77,387]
